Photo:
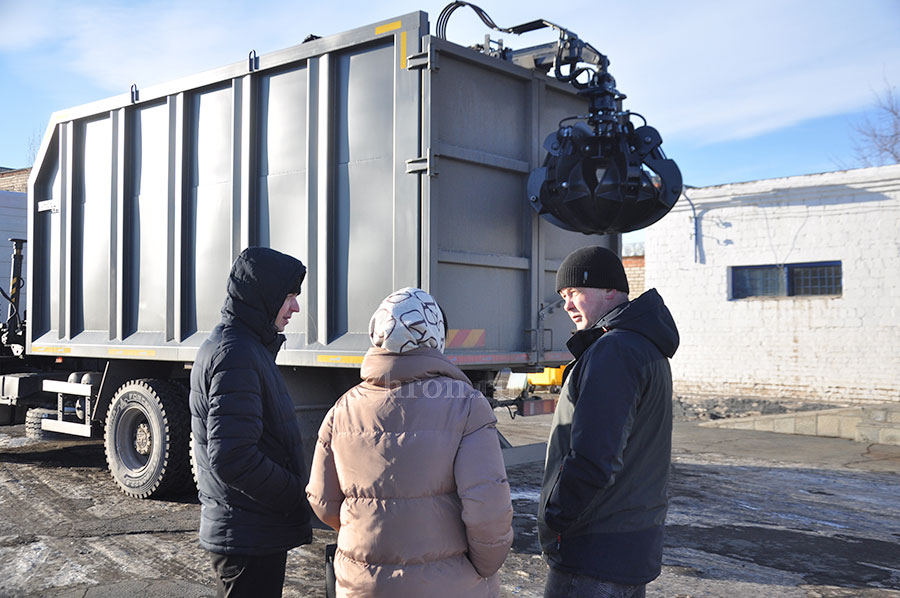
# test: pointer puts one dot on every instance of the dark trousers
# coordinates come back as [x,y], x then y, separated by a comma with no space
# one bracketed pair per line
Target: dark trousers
[569,585]
[240,575]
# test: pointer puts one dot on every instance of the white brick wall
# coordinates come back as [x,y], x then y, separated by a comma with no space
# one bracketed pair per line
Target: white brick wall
[843,348]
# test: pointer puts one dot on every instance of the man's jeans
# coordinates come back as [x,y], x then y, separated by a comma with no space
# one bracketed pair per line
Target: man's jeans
[242,576]
[569,585]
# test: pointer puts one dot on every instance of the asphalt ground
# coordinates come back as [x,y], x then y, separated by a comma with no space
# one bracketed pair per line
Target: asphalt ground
[751,514]
[764,514]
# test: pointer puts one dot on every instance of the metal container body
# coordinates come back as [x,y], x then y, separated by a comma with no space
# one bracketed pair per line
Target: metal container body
[380,157]
[491,261]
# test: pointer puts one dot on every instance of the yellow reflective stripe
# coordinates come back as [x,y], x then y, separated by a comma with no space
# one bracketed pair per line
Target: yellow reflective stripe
[388,27]
[42,349]
[403,50]
[132,352]
[339,358]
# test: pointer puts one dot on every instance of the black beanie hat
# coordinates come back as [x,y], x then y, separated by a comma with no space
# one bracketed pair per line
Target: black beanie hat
[592,267]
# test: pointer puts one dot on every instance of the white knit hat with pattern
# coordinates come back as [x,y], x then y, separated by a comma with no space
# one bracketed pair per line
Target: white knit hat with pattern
[407,319]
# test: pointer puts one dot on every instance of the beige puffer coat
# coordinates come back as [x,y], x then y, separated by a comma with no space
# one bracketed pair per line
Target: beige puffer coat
[408,469]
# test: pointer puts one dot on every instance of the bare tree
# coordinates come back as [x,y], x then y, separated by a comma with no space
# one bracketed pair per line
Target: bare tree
[33,146]
[877,138]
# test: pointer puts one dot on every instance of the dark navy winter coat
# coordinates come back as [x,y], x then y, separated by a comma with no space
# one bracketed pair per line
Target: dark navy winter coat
[603,501]
[250,466]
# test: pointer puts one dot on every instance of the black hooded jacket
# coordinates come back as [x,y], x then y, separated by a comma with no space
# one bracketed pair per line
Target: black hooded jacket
[249,457]
[603,500]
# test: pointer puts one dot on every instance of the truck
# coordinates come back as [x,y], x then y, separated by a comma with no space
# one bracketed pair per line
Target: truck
[382,157]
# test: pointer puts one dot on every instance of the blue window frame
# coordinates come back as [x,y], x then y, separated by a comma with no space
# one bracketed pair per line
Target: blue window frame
[786,280]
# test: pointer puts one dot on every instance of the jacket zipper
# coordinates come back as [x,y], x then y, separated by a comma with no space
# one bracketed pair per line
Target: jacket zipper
[558,535]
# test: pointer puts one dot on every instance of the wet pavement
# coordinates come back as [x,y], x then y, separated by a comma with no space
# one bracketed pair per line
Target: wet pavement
[752,514]
[790,515]
[761,514]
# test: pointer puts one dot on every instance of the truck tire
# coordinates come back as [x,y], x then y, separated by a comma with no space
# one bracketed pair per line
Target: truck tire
[185,385]
[33,419]
[147,430]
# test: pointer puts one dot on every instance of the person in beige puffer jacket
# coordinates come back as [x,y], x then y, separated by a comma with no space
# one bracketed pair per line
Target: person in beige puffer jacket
[408,468]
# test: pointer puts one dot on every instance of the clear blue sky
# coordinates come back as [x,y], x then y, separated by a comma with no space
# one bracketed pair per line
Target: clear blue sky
[739,91]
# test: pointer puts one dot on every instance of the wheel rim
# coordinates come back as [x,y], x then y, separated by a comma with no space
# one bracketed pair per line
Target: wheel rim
[134,438]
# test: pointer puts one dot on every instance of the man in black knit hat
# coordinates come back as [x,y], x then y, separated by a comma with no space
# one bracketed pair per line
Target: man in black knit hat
[603,500]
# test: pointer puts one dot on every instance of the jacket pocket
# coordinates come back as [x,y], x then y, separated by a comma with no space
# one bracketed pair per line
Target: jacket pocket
[229,567]
[542,508]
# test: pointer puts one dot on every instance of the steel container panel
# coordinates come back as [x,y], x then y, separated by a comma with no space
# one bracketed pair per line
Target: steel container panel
[92,218]
[381,157]
[491,260]
[145,274]
[44,235]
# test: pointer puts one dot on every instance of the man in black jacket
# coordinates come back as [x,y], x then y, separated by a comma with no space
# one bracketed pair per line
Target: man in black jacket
[250,467]
[603,500]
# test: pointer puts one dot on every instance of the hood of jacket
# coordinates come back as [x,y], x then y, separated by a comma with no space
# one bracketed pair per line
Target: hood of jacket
[259,281]
[383,368]
[647,315]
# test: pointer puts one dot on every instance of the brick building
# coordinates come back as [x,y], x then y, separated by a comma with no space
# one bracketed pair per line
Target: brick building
[785,287]
[633,260]
[14,180]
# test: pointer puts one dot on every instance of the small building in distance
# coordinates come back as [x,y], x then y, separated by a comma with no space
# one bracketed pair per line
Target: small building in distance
[14,179]
[633,260]
[785,288]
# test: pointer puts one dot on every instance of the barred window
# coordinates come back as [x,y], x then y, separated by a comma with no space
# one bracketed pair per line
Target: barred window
[786,280]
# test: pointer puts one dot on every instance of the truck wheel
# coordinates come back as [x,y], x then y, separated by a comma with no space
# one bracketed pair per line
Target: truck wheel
[186,385]
[147,429]
[33,419]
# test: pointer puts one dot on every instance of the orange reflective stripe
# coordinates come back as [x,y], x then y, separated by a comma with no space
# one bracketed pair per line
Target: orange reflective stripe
[466,338]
